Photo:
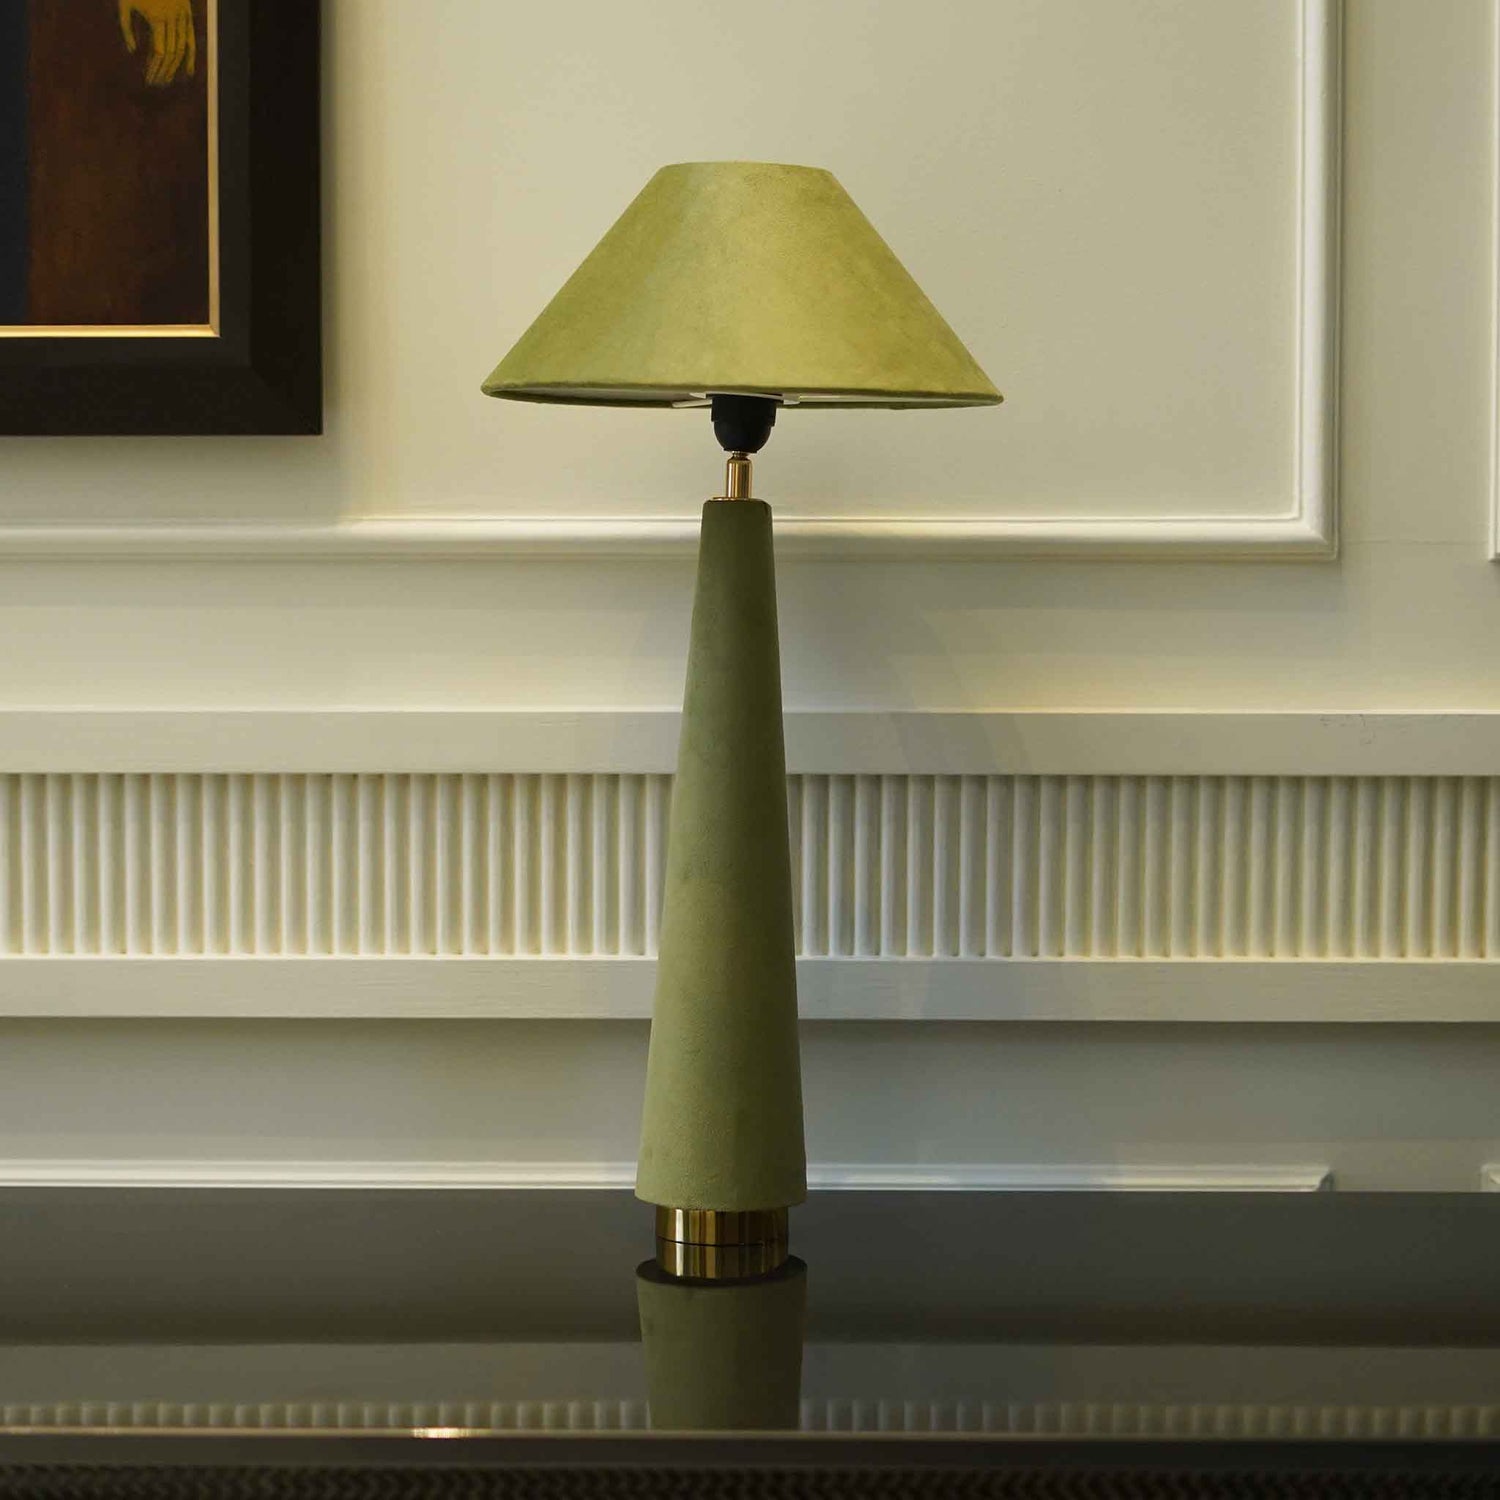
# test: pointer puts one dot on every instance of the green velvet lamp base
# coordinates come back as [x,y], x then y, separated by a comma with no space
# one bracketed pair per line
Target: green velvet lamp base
[722,1123]
[723,1358]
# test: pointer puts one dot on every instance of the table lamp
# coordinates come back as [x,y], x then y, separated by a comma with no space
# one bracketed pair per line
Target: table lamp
[743,287]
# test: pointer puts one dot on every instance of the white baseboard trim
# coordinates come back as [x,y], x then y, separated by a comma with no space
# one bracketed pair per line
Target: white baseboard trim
[837,989]
[596,1176]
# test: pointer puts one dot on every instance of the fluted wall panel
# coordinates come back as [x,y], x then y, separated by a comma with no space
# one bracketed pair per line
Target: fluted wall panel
[900,866]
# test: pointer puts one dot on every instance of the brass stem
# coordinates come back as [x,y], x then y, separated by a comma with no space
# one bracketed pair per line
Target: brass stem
[736,478]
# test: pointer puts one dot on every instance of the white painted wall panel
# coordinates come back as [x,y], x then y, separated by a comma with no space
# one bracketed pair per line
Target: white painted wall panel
[1032,160]
[1400,622]
[884,867]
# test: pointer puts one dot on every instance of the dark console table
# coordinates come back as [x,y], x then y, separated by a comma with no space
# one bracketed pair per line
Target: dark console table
[364,1343]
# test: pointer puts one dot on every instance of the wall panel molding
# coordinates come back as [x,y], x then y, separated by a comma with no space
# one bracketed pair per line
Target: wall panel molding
[552,865]
[836,989]
[1061,742]
[509,1176]
[1079,867]
[1306,525]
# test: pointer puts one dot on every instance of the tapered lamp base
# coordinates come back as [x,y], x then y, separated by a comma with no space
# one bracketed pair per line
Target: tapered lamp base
[721,1131]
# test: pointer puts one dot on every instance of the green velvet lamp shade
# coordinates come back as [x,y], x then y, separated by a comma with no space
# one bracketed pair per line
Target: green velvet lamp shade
[747,278]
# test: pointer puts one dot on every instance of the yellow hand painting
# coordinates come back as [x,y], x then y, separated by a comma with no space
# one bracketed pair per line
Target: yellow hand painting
[174,43]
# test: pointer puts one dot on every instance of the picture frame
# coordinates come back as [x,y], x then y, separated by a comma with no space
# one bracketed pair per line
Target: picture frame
[255,365]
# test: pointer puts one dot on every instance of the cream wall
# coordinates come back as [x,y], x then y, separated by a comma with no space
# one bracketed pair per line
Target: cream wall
[468,169]
[1119,254]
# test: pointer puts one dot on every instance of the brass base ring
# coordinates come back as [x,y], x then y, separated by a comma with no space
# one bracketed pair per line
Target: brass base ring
[714,1244]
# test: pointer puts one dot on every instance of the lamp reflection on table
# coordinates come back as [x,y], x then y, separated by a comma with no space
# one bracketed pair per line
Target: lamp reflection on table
[726,1354]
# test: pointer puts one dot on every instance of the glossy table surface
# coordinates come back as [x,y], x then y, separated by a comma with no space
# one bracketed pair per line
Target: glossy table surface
[187,1326]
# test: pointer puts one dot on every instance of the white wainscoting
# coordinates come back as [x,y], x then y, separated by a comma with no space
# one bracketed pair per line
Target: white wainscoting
[884,867]
[1161,867]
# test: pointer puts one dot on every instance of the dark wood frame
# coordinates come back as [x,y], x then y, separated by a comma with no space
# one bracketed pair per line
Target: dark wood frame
[263,374]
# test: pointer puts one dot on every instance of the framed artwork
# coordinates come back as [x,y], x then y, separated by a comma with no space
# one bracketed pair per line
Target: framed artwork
[159,248]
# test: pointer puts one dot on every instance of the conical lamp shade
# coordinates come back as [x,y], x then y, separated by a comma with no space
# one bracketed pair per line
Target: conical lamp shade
[743,277]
